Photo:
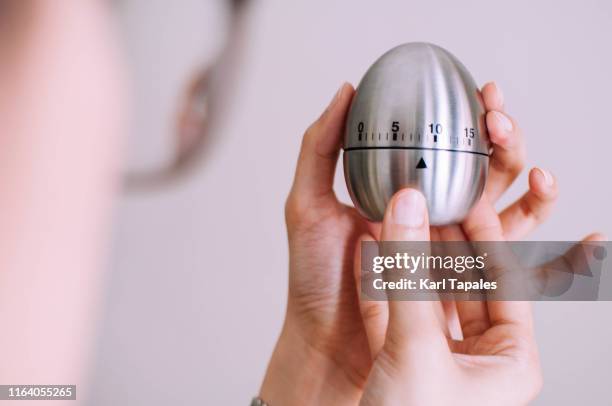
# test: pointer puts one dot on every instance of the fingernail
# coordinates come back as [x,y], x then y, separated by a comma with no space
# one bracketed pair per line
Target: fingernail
[409,209]
[548,178]
[503,121]
[335,99]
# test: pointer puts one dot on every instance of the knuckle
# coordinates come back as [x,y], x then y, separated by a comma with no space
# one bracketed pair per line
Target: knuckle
[298,212]
[310,135]
[293,209]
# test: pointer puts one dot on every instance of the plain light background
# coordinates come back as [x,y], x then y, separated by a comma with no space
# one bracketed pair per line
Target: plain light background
[197,286]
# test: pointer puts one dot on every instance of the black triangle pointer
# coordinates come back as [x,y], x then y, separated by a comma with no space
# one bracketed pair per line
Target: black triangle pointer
[421,164]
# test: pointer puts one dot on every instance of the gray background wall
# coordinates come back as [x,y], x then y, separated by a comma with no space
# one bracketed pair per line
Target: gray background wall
[197,285]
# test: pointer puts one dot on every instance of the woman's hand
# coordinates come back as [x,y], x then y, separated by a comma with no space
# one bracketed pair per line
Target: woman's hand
[323,354]
[323,327]
[495,363]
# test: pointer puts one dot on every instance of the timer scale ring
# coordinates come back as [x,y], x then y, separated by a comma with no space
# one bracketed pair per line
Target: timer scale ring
[417,120]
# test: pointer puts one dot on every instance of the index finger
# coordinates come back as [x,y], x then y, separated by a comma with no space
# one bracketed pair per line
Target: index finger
[314,175]
[508,157]
[483,224]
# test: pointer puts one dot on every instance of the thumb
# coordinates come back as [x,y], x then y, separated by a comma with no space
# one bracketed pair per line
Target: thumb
[410,321]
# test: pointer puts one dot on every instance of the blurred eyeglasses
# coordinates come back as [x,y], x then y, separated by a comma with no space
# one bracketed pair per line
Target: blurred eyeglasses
[198,114]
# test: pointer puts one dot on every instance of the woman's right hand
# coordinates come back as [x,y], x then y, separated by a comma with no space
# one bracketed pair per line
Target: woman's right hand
[497,361]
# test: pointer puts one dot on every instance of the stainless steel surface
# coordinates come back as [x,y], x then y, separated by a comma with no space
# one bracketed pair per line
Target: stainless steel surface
[417,120]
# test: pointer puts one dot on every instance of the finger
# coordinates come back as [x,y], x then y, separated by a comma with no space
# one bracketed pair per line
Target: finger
[447,310]
[451,317]
[524,215]
[508,157]
[452,232]
[483,224]
[406,219]
[316,166]
[493,97]
[595,237]
[374,313]
[473,317]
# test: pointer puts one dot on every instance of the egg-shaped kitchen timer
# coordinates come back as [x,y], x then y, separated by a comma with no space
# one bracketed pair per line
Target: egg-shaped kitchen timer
[417,120]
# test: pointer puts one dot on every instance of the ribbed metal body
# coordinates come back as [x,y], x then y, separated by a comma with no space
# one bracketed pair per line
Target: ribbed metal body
[417,120]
